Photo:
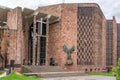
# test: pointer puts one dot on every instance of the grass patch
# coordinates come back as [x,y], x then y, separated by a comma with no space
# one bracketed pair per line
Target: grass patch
[18,76]
[1,72]
[102,73]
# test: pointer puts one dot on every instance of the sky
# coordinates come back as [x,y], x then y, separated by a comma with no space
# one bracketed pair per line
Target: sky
[110,8]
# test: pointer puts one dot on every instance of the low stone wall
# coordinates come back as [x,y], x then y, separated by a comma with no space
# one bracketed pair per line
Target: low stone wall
[17,69]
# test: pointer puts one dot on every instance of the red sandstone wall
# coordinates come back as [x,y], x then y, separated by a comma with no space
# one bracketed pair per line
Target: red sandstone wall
[54,42]
[14,22]
[118,40]
[114,42]
[54,35]
[25,41]
[62,33]
[0,63]
[104,42]
[100,39]
[65,32]
[69,33]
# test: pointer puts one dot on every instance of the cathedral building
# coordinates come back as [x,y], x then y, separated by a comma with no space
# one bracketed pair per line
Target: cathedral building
[74,36]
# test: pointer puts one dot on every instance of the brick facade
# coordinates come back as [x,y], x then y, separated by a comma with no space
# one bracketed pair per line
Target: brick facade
[114,42]
[62,33]
[118,40]
[111,43]
[100,31]
[81,25]
[65,33]
[15,38]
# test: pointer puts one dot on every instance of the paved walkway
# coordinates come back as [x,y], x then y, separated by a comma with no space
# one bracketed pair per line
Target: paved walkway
[82,78]
[3,75]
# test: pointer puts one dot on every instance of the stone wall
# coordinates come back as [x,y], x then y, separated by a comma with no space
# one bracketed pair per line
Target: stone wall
[0,63]
[104,41]
[65,32]
[69,33]
[114,42]
[54,34]
[61,33]
[92,25]
[111,57]
[15,38]
[118,40]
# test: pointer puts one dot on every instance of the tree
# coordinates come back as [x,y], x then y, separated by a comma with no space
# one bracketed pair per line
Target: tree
[118,70]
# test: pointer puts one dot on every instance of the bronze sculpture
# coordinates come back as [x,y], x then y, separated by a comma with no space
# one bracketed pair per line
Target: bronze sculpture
[69,52]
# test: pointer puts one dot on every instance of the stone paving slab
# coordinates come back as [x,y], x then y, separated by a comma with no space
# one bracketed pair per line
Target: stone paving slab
[82,78]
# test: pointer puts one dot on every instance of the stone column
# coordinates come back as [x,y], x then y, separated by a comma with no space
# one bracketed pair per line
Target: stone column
[47,37]
[34,41]
[38,47]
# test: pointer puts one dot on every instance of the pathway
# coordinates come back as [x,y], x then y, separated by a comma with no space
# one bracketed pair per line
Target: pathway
[82,78]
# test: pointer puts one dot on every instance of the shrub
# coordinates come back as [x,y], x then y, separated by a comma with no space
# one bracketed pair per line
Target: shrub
[118,70]
[25,70]
[114,69]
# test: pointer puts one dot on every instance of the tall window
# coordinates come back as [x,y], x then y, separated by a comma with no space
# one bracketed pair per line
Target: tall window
[85,36]
[109,43]
[43,45]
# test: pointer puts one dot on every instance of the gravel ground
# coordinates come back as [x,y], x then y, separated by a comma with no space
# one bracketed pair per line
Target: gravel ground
[82,78]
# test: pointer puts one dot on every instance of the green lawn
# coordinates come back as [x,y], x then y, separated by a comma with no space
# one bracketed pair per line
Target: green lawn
[1,72]
[102,73]
[18,76]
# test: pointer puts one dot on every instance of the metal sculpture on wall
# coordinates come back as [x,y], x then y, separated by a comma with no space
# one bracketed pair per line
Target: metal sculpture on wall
[69,52]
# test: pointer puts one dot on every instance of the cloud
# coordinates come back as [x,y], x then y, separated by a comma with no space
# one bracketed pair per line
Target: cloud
[33,4]
[109,7]
[22,3]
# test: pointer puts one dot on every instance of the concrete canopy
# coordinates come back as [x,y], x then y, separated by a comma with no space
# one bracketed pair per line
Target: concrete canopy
[27,11]
[52,18]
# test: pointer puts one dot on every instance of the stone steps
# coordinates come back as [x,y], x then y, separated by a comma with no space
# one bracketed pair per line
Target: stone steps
[56,74]
[67,74]
[37,69]
[51,71]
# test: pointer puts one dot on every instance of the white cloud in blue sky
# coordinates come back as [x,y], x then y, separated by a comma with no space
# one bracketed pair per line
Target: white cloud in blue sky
[109,7]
